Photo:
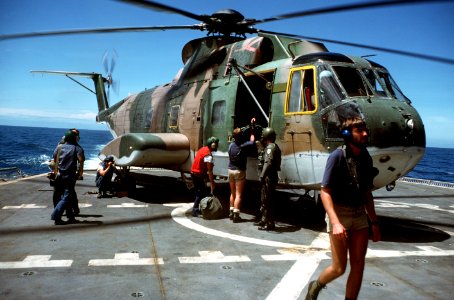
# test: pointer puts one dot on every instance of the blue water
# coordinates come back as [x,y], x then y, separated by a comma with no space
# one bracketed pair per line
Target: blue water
[29,149]
[437,164]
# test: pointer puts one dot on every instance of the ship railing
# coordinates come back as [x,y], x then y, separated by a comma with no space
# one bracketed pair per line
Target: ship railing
[448,185]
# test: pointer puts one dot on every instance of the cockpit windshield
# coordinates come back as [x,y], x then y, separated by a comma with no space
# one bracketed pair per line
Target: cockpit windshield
[351,81]
[392,86]
[330,91]
[373,81]
[347,81]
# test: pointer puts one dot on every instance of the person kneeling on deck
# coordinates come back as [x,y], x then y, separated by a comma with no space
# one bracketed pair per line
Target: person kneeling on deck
[104,175]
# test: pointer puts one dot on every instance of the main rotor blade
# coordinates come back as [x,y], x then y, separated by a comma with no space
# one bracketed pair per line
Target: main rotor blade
[97,30]
[347,7]
[382,49]
[162,7]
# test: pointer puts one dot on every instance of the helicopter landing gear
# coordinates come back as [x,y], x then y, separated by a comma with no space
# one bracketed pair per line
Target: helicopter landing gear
[391,186]
[317,211]
[126,184]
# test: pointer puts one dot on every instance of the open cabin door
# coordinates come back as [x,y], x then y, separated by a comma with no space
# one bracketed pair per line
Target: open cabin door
[255,105]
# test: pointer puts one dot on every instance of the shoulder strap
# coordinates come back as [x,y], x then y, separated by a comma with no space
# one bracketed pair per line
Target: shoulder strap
[57,158]
[351,166]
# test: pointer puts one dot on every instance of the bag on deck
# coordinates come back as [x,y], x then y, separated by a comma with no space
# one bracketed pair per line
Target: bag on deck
[211,208]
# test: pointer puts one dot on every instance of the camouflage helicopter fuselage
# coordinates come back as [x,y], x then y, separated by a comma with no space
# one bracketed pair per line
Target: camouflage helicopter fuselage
[296,87]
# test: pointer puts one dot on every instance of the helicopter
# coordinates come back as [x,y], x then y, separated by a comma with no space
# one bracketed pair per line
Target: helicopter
[289,82]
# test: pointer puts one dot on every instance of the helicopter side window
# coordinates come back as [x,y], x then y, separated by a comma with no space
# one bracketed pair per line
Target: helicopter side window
[392,87]
[301,92]
[374,82]
[330,91]
[294,102]
[174,111]
[218,116]
[351,81]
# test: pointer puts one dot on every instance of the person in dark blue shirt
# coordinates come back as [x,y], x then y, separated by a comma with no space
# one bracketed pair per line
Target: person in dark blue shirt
[58,188]
[69,159]
[238,153]
[347,198]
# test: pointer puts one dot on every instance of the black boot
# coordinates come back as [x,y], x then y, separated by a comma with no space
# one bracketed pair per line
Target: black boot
[236,217]
[313,290]
[267,226]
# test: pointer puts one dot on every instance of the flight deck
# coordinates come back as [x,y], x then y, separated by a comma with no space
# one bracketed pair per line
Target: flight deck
[148,246]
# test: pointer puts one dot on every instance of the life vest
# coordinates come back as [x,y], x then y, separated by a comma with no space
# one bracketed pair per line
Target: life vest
[199,167]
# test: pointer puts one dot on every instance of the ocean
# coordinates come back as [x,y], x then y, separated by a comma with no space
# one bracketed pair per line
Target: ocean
[25,151]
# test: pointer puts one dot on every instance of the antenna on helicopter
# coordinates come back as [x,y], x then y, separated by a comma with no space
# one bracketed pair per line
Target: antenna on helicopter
[108,69]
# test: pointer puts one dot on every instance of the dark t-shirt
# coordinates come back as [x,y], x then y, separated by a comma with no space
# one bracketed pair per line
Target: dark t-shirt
[68,157]
[238,155]
[348,183]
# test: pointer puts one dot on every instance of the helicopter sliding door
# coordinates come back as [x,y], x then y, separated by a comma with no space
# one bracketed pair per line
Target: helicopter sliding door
[219,111]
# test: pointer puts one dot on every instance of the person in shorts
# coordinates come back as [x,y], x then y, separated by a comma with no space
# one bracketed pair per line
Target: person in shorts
[238,153]
[348,202]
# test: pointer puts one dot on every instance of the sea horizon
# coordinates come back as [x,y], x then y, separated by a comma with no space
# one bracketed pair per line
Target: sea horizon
[34,146]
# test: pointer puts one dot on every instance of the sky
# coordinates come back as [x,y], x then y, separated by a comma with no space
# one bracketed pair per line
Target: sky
[147,59]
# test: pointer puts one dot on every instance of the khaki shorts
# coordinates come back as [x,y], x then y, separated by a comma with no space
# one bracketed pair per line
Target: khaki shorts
[352,218]
[236,175]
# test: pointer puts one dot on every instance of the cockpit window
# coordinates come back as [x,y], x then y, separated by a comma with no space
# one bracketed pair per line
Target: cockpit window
[351,81]
[392,86]
[330,91]
[374,82]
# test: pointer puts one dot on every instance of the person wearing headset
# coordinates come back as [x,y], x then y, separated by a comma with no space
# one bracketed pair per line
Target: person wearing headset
[348,202]
[202,167]
[69,164]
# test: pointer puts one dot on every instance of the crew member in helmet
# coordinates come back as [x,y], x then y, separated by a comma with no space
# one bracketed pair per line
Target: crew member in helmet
[269,165]
[104,175]
[58,188]
[202,167]
[70,166]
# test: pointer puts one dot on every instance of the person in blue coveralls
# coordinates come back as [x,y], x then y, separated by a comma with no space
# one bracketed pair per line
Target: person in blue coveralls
[69,158]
